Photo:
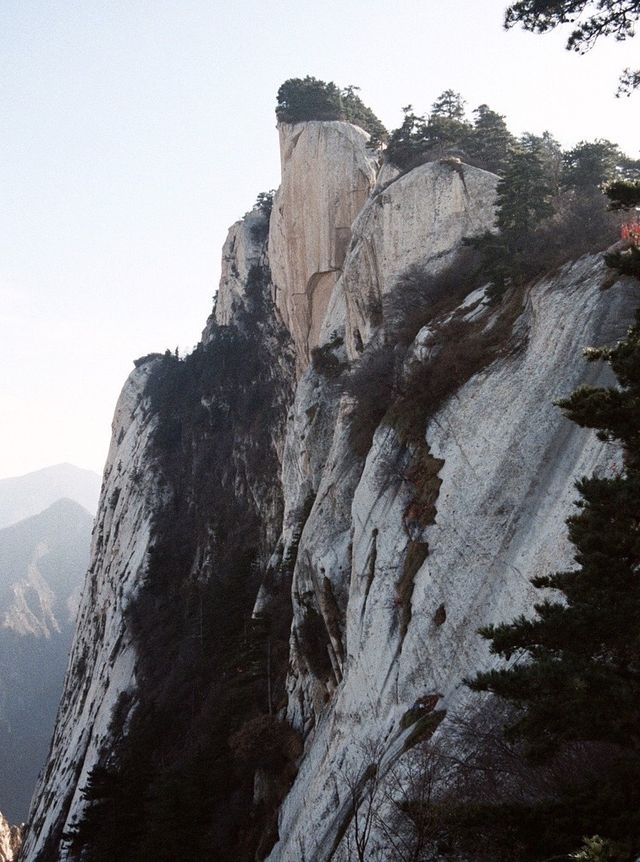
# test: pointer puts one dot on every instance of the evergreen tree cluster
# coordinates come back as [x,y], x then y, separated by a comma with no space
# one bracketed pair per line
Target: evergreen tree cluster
[303,99]
[178,784]
[486,142]
[550,208]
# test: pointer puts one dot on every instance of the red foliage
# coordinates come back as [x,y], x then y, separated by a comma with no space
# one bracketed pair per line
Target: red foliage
[631,232]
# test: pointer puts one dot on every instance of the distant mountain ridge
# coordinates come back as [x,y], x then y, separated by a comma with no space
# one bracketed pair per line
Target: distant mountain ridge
[43,560]
[24,496]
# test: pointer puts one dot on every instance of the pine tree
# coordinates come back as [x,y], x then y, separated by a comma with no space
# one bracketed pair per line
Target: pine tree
[523,203]
[449,105]
[590,19]
[549,153]
[491,142]
[447,132]
[590,164]
[407,143]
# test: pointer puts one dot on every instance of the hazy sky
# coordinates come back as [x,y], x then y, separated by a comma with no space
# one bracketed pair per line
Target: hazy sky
[134,132]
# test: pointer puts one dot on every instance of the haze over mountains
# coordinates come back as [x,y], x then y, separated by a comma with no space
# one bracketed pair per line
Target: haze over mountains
[43,560]
[23,496]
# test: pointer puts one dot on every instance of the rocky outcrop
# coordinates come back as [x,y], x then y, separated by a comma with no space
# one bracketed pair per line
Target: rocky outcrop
[420,218]
[389,557]
[243,248]
[327,175]
[10,840]
[148,492]
[508,462]
[102,662]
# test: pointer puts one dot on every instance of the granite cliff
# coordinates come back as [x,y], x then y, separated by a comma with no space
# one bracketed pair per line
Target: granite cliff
[372,563]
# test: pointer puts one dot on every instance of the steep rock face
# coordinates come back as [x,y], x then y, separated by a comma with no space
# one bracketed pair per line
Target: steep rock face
[191,493]
[10,840]
[509,461]
[386,601]
[327,175]
[419,218]
[243,248]
[102,662]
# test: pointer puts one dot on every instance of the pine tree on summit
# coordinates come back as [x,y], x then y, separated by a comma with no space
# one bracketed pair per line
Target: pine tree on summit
[491,141]
[449,105]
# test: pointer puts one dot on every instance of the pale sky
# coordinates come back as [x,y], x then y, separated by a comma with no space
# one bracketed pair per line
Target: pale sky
[134,132]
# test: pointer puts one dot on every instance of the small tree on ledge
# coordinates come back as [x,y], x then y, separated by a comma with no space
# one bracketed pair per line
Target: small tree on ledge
[303,99]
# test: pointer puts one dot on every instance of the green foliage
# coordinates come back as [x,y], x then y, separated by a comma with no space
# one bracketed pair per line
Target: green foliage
[172,787]
[264,202]
[302,99]
[523,196]
[623,194]
[597,849]
[449,105]
[590,19]
[420,139]
[356,112]
[549,154]
[491,142]
[590,164]
[528,829]
[324,359]
[523,202]
[551,210]
[626,262]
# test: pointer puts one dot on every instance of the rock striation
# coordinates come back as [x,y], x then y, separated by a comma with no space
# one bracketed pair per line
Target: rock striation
[509,463]
[381,563]
[327,175]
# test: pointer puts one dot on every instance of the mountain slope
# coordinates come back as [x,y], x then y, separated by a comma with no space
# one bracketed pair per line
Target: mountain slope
[43,560]
[370,537]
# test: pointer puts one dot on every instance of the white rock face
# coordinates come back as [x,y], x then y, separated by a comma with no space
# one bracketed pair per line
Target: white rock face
[102,662]
[419,218]
[242,249]
[510,463]
[10,840]
[327,175]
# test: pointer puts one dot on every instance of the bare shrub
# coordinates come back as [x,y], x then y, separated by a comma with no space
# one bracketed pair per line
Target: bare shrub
[581,224]
[325,361]
[371,383]
[464,348]
[420,295]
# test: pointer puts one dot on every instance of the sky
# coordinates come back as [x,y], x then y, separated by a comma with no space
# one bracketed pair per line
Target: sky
[135,132]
